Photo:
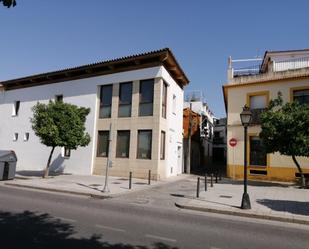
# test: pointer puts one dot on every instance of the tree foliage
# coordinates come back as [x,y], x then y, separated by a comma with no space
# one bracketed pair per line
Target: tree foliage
[59,124]
[285,129]
[8,3]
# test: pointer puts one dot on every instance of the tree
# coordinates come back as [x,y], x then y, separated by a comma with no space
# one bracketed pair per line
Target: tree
[60,124]
[285,130]
[8,3]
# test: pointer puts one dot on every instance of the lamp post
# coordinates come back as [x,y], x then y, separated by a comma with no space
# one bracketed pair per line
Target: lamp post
[245,117]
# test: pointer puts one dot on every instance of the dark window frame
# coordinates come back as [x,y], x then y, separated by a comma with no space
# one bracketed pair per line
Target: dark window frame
[59,98]
[137,151]
[101,100]
[16,108]
[250,154]
[67,152]
[141,102]
[162,145]
[164,99]
[125,104]
[103,132]
[119,153]
[296,98]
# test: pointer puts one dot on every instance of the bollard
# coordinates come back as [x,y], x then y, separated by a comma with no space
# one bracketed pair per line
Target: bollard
[220,175]
[211,180]
[130,180]
[205,182]
[198,188]
[216,180]
[149,176]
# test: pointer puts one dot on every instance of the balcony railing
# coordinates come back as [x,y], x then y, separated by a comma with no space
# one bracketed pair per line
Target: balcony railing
[291,64]
[256,116]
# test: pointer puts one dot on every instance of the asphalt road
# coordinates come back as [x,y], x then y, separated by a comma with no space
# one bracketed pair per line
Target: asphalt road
[32,219]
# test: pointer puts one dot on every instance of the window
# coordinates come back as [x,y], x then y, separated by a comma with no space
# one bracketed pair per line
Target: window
[162,146]
[67,152]
[302,96]
[106,101]
[164,99]
[16,108]
[123,144]
[217,134]
[144,144]
[146,97]
[59,98]
[257,153]
[15,137]
[103,144]
[174,104]
[258,102]
[26,136]
[125,99]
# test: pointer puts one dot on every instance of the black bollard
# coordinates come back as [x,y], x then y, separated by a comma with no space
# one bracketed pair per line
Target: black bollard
[198,188]
[211,180]
[130,180]
[220,175]
[216,177]
[205,182]
[149,176]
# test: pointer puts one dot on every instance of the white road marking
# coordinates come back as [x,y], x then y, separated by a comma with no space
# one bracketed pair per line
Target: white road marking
[66,219]
[160,238]
[110,228]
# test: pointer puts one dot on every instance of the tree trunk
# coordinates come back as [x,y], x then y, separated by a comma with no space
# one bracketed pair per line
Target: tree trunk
[48,163]
[302,177]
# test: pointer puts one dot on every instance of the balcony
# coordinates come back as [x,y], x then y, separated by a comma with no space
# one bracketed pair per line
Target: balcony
[256,116]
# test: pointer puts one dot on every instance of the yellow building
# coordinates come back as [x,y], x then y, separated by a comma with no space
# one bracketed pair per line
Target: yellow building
[284,71]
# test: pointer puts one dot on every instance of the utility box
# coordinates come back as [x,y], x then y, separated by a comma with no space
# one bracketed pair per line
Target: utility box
[8,162]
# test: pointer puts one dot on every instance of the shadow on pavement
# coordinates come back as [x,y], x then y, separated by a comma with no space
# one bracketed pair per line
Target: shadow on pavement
[294,207]
[257,183]
[31,230]
[38,173]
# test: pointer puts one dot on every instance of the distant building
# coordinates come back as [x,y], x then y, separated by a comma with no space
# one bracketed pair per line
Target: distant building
[205,131]
[139,96]
[219,144]
[256,85]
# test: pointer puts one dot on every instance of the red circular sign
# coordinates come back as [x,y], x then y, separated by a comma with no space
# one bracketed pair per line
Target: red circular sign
[233,142]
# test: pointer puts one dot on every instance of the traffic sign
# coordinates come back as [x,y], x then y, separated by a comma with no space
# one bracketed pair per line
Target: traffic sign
[233,142]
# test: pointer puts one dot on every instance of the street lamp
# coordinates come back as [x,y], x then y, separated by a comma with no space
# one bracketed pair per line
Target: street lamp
[245,117]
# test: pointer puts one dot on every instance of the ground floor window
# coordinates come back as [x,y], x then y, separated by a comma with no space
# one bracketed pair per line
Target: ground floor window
[144,144]
[123,144]
[103,143]
[257,153]
[162,146]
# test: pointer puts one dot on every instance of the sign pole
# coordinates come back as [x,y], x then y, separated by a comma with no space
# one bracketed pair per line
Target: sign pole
[106,188]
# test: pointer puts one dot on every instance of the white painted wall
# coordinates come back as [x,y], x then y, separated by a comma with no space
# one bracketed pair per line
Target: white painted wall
[32,155]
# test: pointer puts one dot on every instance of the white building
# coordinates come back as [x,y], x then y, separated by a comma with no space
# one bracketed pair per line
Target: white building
[140,96]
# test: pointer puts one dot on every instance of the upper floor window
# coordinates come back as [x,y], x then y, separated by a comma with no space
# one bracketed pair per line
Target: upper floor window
[26,136]
[106,101]
[164,99]
[302,96]
[125,99]
[257,104]
[146,97]
[59,98]
[123,144]
[16,106]
[174,104]
[103,143]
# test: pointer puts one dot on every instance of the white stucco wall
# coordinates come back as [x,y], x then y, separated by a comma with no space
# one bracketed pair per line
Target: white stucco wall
[32,155]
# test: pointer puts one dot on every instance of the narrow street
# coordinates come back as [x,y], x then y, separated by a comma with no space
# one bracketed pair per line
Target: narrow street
[144,220]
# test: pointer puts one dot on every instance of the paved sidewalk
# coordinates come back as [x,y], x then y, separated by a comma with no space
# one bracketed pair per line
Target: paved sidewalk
[269,200]
[85,185]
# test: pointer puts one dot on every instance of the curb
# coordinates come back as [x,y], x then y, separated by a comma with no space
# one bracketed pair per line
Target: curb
[241,214]
[59,191]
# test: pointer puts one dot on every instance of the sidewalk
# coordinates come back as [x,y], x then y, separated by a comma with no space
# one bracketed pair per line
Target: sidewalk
[269,200]
[85,185]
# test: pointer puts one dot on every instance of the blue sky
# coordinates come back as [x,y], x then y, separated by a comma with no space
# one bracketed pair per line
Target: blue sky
[39,36]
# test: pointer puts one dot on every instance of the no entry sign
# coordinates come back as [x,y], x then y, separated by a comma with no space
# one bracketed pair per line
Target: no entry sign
[233,142]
